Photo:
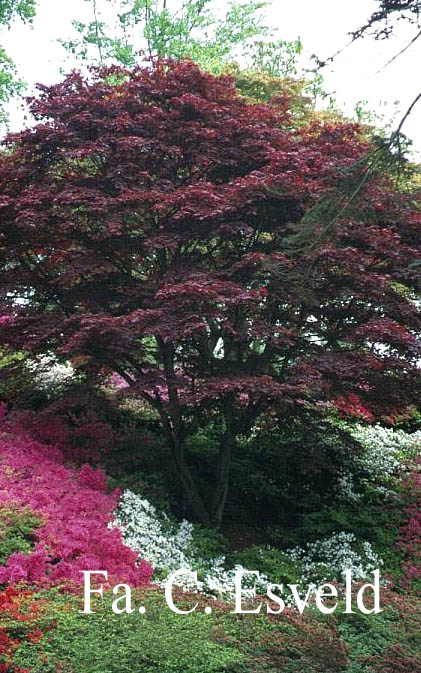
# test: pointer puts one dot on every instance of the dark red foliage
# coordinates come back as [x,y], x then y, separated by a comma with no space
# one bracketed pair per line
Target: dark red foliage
[81,437]
[150,220]
[410,532]
[398,660]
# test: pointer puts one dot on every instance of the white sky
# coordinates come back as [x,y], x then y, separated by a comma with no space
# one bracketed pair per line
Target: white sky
[322,25]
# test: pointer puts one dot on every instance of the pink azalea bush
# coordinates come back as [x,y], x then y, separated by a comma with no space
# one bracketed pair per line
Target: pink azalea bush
[75,510]
[85,439]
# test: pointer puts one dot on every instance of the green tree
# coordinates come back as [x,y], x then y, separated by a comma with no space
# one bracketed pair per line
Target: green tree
[234,41]
[194,29]
[11,9]
[9,83]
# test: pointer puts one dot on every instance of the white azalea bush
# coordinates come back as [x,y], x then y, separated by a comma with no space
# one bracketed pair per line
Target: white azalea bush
[168,546]
[328,559]
[384,451]
[142,529]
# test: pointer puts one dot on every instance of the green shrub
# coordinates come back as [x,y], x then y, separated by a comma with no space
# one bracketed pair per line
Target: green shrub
[208,543]
[159,641]
[162,642]
[17,531]
[269,561]
[368,519]
[372,640]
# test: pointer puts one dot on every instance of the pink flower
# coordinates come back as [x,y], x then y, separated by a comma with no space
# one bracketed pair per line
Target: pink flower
[95,479]
[75,511]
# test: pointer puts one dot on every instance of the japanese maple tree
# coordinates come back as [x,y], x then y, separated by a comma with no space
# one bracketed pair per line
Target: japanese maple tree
[222,262]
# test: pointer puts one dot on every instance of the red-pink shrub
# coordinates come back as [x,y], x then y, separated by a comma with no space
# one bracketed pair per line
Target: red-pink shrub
[94,479]
[81,436]
[75,510]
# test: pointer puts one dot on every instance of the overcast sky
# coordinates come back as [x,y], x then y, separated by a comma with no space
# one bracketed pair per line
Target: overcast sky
[322,25]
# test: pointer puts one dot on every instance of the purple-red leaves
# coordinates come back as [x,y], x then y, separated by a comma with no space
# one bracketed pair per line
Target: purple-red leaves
[149,221]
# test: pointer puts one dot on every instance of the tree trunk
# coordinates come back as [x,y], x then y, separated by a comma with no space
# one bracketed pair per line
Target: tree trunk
[193,496]
[223,466]
[182,471]
[172,420]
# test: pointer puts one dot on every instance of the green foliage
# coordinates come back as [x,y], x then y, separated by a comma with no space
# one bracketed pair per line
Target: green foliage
[277,58]
[283,486]
[208,543]
[274,70]
[280,473]
[108,643]
[269,561]
[368,519]
[17,529]
[22,9]
[199,31]
[195,30]
[259,87]
[10,85]
[16,380]
[162,642]
[371,639]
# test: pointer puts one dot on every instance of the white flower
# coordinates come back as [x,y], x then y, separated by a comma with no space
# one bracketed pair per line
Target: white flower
[381,459]
[335,555]
[50,374]
[167,547]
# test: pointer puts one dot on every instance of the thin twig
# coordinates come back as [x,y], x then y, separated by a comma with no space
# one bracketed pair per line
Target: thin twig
[97,31]
[402,51]
[406,115]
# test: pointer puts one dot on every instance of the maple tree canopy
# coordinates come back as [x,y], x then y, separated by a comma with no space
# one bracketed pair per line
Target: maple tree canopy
[160,227]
